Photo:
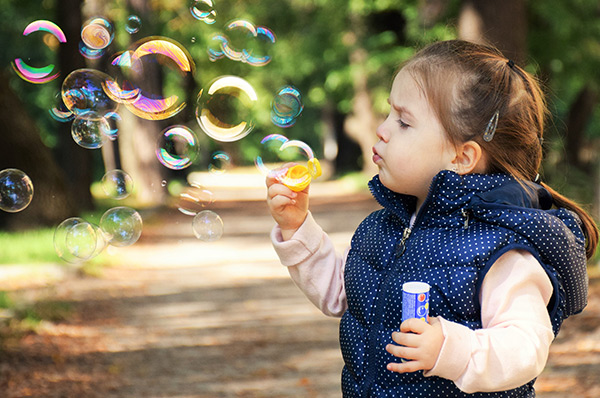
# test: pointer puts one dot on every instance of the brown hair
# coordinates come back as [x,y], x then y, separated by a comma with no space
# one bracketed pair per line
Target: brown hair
[466,84]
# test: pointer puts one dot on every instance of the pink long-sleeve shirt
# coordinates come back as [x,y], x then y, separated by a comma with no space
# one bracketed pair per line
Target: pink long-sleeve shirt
[510,350]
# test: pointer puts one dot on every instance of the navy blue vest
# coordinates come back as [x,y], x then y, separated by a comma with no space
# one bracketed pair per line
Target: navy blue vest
[464,225]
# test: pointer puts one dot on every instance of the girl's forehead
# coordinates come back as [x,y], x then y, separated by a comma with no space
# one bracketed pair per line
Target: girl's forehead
[406,92]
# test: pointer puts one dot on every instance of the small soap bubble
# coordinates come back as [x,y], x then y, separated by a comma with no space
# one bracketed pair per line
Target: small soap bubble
[122,226]
[220,162]
[163,183]
[117,184]
[90,53]
[133,24]
[76,240]
[286,107]
[16,190]
[90,130]
[193,199]
[203,10]
[177,147]
[97,33]
[207,226]
[225,109]
[82,91]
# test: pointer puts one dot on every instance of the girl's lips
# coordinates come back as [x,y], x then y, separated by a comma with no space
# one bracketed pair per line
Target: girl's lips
[376,157]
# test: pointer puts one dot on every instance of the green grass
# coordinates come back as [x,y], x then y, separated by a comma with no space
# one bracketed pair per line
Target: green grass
[34,246]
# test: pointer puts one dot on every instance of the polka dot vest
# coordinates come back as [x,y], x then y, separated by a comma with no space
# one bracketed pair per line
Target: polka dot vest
[465,224]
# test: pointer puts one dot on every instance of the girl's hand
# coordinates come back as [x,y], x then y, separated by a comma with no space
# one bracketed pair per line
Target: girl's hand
[288,208]
[420,343]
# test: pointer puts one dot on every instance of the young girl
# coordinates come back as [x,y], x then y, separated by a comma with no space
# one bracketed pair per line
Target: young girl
[505,257]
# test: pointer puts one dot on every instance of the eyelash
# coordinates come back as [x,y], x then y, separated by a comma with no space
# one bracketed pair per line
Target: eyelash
[402,124]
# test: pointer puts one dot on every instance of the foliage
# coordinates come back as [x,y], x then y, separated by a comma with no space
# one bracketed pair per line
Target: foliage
[27,247]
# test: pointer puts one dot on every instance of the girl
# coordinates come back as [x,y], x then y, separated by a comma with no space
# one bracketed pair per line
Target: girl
[505,256]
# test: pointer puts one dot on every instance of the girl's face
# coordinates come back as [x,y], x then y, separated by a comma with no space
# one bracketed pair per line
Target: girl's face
[412,145]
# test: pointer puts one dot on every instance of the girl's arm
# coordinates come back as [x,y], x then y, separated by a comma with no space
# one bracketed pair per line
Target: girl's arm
[310,257]
[512,348]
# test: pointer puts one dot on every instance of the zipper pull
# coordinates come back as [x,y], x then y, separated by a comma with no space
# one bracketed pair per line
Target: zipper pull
[402,245]
[465,214]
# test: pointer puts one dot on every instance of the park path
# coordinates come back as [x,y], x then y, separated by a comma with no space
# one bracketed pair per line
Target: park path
[176,317]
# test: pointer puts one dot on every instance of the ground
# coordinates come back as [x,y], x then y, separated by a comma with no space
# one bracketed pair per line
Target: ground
[177,317]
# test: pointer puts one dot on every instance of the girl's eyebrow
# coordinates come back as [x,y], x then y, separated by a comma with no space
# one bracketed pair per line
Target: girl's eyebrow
[401,110]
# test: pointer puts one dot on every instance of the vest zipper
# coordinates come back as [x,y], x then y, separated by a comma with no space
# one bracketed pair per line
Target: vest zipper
[401,246]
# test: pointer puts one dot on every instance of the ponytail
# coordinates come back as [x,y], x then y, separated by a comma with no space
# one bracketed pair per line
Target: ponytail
[590,230]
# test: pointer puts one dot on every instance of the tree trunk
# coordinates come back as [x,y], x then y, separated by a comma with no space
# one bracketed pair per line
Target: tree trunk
[579,116]
[23,149]
[501,23]
[75,161]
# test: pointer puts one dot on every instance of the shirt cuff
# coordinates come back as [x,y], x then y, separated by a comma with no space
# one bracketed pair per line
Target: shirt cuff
[455,354]
[305,242]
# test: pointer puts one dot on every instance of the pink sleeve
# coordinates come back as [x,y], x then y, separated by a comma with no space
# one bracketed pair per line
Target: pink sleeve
[314,266]
[512,348]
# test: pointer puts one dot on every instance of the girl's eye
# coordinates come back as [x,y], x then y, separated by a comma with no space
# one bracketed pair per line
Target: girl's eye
[402,124]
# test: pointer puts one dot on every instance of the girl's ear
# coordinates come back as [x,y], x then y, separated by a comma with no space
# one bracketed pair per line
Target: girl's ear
[469,158]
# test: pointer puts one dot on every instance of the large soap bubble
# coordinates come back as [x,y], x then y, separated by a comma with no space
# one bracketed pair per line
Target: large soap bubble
[286,106]
[122,226]
[225,109]
[45,73]
[16,190]
[82,92]
[117,184]
[76,240]
[203,10]
[97,33]
[90,130]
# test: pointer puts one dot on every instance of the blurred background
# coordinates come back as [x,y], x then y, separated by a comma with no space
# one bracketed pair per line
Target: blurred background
[339,56]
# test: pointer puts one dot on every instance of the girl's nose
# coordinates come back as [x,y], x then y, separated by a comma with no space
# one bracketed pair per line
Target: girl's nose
[380,132]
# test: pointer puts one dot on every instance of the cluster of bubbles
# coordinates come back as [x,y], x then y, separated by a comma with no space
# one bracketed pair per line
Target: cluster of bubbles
[90,100]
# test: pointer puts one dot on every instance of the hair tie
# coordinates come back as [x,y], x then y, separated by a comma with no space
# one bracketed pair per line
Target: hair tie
[510,64]
[490,130]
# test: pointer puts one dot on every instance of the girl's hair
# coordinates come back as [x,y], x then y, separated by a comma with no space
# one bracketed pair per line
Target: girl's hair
[466,84]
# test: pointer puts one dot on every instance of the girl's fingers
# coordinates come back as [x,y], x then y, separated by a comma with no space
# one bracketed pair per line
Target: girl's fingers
[404,367]
[406,339]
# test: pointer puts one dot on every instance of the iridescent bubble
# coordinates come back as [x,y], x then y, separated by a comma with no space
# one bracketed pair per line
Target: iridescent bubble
[75,240]
[123,95]
[44,74]
[149,52]
[286,107]
[203,10]
[90,130]
[207,226]
[219,162]
[215,47]
[122,226]
[225,110]
[301,167]
[246,43]
[193,199]
[82,91]
[16,190]
[97,33]
[117,184]
[133,24]
[177,147]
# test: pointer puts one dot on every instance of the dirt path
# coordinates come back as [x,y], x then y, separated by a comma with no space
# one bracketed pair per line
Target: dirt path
[185,319]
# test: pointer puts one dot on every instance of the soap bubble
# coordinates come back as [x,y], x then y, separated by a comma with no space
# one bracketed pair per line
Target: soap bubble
[193,199]
[219,162]
[133,24]
[177,147]
[77,240]
[113,119]
[97,33]
[44,74]
[207,226]
[203,10]
[16,190]
[60,112]
[122,226]
[134,67]
[246,43]
[286,107]
[225,110]
[90,53]
[117,184]
[82,92]
[90,130]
